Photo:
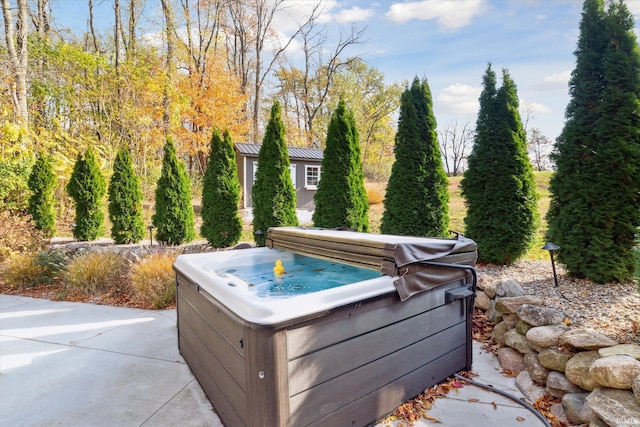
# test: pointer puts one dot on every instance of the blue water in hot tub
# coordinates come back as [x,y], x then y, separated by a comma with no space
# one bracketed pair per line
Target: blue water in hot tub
[303,275]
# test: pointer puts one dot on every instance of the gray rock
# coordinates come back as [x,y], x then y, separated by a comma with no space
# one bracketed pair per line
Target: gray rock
[514,340]
[577,369]
[509,305]
[511,360]
[509,288]
[558,385]
[499,331]
[490,288]
[522,327]
[510,320]
[617,408]
[492,314]
[576,409]
[546,336]
[635,387]
[597,422]
[616,371]
[540,316]
[483,280]
[558,411]
[482,301]
[553,359]
[632,350]
[537,372]
[531,391]
[585,339]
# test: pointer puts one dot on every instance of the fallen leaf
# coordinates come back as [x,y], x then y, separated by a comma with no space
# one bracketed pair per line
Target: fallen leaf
[495,407]
[520,418]
[432,419]
[473,399]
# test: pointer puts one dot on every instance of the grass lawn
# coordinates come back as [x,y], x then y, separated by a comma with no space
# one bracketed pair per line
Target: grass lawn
[457,211]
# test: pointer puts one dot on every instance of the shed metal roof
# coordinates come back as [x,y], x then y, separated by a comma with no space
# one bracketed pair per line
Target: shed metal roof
[296,153]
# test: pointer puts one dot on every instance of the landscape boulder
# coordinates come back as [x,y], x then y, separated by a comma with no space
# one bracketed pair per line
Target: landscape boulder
[617,371]
[511,360]
[617,408]
[482,301]
[499,332]
[576,408]
[585,339]
[632,350]
[509,288]
[555,360]
[577,369]
[540,316]
[531,391]
[509,305]
[558,385]
[514,340]
[546,336]
[537,372]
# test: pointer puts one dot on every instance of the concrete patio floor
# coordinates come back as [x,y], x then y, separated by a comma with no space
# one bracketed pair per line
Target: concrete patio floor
[75,364]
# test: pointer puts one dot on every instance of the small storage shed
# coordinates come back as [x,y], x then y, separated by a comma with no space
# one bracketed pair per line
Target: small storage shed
[305,164]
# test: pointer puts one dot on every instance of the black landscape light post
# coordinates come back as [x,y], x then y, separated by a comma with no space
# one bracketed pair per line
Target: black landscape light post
[150,228]
[552,247]
[259,235]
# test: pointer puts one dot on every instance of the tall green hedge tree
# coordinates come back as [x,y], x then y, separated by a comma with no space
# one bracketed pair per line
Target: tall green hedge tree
[221,222]
[125,201]
[341,199]
[42,183]
[499,185]
[273,195]
[595,192]
[87,187]
[174,218]
[417,196]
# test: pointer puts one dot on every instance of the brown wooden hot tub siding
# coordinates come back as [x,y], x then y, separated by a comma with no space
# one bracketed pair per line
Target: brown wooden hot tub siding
[351,365]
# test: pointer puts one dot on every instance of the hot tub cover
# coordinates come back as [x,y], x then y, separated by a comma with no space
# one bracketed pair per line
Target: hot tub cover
[409,258]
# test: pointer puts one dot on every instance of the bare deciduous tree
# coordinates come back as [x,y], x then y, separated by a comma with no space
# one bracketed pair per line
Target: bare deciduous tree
[455,142]
[539,147]
[251,21]
[16,43]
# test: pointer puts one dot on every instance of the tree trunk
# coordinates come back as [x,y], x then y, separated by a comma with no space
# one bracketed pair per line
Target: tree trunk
[18,56]
[169,25]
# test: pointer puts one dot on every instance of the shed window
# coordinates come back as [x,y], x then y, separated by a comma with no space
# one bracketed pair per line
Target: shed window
[292,171]
[312,177]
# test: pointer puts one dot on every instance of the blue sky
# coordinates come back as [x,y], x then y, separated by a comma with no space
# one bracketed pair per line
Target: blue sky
[449,42]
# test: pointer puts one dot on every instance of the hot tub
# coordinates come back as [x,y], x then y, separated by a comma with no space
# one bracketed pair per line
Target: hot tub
[345,355]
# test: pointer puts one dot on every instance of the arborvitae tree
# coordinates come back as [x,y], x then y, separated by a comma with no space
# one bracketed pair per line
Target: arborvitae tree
[42,183]
[221,222]
[125,201]
[595,192]
[174,218]
[274,198]
[499,186]
[341,199]
[87,187]
[417,196]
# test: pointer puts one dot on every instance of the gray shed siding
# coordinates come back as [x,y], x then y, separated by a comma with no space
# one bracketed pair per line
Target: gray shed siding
[247,155]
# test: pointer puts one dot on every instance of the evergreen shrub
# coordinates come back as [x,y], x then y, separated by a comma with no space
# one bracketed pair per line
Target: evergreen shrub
[221,222]
[42,183]
[273,195]
[174,218]
[341,199]
[87,187]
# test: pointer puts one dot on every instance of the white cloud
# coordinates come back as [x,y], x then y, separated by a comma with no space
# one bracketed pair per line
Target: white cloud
[556,81]
[533,107]
[634,7]
[450,14]
[460,99]
[354,14]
